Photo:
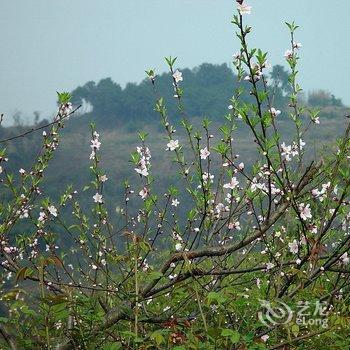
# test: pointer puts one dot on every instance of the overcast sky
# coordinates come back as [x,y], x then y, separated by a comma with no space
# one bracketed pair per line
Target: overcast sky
[48,46]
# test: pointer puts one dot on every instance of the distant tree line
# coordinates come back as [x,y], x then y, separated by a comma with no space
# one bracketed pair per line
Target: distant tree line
[207,93]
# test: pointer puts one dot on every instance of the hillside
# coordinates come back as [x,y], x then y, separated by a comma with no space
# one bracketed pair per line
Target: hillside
[120,113]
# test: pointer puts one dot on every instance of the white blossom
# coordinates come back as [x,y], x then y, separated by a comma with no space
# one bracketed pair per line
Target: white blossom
[172,145]
[178,247]
[269,266]
[274,112]
[258,283]
[175,202]
[177,76]
[234,225]
[52,210]
[345,258]
[98,198]
[103,178]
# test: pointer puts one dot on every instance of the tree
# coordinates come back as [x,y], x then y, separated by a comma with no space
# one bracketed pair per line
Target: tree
[276,231]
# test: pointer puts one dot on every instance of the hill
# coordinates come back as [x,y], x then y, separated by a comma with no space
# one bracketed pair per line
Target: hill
[118,113]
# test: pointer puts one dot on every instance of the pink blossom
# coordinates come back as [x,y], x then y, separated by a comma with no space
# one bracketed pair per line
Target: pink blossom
[244,9]
[288,54]
[143,193]
[234,225]
[95,144]
[204,153]
[265,337]
[305,211]
[274,112]
[232,184]
[294,247]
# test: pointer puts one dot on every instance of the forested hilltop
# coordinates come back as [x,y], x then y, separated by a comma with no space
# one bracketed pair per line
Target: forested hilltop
[119,113]
[207,91]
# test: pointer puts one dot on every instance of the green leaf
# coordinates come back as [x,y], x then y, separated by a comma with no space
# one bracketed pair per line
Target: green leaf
[155,275]
[23,273]
[4,319]
[63,97]
[158,337]
[295,330]
[218,297]
[232,334]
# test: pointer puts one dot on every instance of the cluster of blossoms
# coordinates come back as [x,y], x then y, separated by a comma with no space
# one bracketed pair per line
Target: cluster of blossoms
[207,179]
[53,144]
[274,112]
[44,215]
[258,71]
[144,162]
[177,76]
[259,182]
[2,159]
[9,250]
[234,226]
[305,211]
[95,144]
[178,241]
[236,61]
[289,54]
[321,194]
[65,110]
[23,211]
[262,186]
[219,209]
[231,198]
[290,151]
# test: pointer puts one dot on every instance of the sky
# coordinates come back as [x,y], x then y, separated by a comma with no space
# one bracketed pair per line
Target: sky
[48,46]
